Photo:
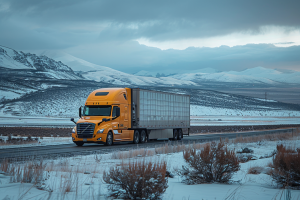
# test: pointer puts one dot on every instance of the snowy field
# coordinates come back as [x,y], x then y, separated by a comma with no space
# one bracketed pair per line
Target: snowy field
[200,116]
[45,141]
[83,176]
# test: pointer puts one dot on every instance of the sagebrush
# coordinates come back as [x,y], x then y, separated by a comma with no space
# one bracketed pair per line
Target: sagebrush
[215,163]
[139,179]
[286,165]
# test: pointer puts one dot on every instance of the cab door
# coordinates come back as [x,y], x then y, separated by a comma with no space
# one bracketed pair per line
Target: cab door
[116,123]
[125,121]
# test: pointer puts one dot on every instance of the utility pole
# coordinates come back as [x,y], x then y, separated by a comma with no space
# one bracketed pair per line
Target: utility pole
[266,93]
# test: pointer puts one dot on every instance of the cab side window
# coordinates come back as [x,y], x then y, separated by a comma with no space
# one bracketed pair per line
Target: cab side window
[124,96]
[116,111]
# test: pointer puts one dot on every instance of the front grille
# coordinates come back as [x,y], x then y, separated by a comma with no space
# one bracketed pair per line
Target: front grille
[85,130]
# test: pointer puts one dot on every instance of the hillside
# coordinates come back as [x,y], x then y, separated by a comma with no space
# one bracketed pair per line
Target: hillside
[64,102]
[23,73]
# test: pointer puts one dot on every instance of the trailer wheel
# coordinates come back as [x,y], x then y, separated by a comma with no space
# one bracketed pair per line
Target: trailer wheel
[175,134]
[109,139]
[136,137]
[79,143]
[143,136]
[179,134]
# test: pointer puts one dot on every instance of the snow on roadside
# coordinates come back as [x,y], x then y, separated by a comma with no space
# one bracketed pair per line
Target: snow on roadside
[40,142]
[204,110]
[86,173]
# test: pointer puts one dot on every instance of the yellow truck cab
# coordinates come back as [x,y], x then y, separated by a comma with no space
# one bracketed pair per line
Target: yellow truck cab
[123,114]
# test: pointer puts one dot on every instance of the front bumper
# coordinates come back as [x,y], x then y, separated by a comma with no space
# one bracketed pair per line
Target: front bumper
[96,138]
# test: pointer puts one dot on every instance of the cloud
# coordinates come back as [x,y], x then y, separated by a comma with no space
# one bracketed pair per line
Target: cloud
[132,57]
[105,32]
[158,20]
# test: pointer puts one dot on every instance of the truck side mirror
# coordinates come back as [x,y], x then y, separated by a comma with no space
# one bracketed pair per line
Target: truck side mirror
[117,111]
[72,120]
[80,112]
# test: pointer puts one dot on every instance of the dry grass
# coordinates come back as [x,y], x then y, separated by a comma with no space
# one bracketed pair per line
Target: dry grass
[267,137]
[4,165]
[30,172]
[160,149]
[180,147]
[133,153]
[69,182]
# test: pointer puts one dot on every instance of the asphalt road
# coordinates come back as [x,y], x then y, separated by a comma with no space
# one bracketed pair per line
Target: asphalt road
[67,150]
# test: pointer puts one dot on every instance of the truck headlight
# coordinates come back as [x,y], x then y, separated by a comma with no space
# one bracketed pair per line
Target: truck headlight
[100,130]
[73,130]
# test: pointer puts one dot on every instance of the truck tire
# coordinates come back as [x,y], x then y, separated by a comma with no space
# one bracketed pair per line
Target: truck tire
[143,136]
[136,137]
[79,143]
[175,134]
[109,139]
[179,134]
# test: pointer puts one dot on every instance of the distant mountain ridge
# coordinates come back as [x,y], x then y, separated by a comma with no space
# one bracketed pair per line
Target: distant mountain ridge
[13,59]
[22,73]
[252,75]
[104,74]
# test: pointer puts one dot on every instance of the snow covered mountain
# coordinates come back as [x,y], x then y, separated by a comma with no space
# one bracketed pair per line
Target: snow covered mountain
[23,73]
[90,71]
[42,65]
[253,75]
[99,73]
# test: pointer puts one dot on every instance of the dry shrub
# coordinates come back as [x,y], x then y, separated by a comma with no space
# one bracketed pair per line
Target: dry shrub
[215,163]
[286,165]
[255,170]
[139,179]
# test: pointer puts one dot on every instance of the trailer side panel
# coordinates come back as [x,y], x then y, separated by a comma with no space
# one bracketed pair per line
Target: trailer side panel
[160,110]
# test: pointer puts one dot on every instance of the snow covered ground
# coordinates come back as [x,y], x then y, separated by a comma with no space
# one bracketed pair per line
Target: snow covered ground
[35,121]
[45,141]
[84,176]
[200,116]
[216,120]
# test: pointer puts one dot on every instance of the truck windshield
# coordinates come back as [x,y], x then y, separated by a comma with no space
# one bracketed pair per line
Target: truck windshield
[96,110]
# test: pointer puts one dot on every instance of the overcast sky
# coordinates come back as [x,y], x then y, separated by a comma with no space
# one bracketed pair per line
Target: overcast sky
[162,36]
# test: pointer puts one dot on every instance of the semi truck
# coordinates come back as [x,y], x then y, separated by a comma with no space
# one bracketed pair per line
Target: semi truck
[135,115]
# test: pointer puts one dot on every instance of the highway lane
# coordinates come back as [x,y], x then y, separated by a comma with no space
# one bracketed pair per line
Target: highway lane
[52,151]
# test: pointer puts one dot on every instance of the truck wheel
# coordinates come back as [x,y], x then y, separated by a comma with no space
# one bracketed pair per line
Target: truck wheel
[175,134]
[143,136]
[109,139]
[136,137]
[179,134]
[79,143]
